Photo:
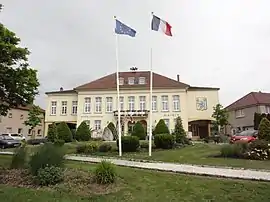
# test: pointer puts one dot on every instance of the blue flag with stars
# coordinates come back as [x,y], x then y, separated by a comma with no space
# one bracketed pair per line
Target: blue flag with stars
[121,28]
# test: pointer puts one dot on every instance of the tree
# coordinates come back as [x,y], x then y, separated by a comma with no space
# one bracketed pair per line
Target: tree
[18,82]
[83,132]
[112,128]
[52,133]
[161,128]
[139,131]
[33,118]
[179,132]
[221,116]
[264,129]
[64,132]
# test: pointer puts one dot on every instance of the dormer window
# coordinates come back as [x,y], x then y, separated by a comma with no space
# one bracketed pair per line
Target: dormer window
[121,81]
[131,80]
[142,80]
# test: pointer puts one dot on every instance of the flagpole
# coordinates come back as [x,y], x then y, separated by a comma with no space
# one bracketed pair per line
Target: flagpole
[151,100]
[118,94]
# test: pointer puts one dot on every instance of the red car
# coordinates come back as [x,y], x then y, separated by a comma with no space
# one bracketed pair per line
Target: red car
[244,136]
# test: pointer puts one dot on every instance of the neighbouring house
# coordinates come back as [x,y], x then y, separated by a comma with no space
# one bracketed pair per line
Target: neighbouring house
[13,122]
[96,103]
[241,112]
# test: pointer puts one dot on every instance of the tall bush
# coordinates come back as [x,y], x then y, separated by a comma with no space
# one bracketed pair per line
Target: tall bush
[52,132]
[179,132]
[47,155]
[164,141]
[161,128]
[83,132]
[139,131]
[112,127]
[105,173]
[19,158]
[64,132]
[264,129]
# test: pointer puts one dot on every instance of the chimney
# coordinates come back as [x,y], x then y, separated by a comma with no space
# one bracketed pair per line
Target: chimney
[61,89]
[178,78]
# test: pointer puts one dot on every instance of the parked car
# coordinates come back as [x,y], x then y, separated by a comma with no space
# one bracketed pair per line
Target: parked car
[245,136]
[8,142]
[15,136]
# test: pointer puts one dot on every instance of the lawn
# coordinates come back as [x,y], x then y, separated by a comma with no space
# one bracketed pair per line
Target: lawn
[145,185]
[199,154]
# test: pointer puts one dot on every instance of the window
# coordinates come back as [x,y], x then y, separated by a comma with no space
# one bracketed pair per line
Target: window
[121,81]
[121,103]
[74,107]
[20,130]
[39,132]
[131,103]
[87,105]
[98,104]
[142,102]
[154,103]
[9,115]
[167,122]
[142,80]
[97,124]
[109,104]
[64,108]
[165,106]
[21,117]
[131,80]
[176,103]
[53,107]
[267,109]
[8,130]
[239,113]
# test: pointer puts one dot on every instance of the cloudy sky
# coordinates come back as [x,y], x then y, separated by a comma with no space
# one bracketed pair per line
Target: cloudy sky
[220,43]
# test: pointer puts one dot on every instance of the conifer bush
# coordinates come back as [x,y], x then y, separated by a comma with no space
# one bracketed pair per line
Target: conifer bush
[161,128]
[52,133]
[139,131]
[83,132]
[64,132]
[264,130]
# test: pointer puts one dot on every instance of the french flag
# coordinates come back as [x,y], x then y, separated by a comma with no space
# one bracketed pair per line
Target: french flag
[161,25]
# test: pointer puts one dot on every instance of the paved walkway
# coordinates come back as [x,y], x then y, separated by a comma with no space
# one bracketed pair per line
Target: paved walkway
[180,168]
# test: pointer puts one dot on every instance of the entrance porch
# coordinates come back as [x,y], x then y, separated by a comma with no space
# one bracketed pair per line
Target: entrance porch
[200,128]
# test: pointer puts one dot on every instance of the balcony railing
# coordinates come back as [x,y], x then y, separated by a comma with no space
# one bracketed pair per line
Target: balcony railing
[132,113]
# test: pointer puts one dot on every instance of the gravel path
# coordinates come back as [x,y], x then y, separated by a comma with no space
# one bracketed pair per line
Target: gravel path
[180,168]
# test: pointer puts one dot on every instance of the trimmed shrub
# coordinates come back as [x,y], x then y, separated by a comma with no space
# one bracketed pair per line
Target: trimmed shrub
[91,147]
[258,150]
[264,129]
[145,144]
[139,131]
[83,132]
[19,158]
[164,141]
[161,128]
[37,141]
[58,142]
[80,149]
[52,133]
[46,155]
[64,132]
[50,175]
[129,143]
[105,147]
[105,173]
[112,127]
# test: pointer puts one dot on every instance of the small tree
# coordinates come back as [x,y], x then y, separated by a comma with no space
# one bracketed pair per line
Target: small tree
[264,129]
[139,131]
[33,118]
[179,132]
[52,132]
[112,128]
[64,132]
[161,128]
[221,116]
[83,132]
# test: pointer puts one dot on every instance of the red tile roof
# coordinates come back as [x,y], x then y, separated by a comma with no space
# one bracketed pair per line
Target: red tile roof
[109,82]
[251,99]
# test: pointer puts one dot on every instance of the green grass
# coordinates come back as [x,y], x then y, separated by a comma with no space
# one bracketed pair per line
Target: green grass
[145,185]
[199,154]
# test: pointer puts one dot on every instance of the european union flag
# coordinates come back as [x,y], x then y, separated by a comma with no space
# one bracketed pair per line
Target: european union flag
[121,28]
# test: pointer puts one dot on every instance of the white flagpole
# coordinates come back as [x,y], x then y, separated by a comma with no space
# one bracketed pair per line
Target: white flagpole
[151,104]
[118,93]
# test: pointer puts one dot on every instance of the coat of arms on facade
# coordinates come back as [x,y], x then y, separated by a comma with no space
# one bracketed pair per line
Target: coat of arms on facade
[201,103]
